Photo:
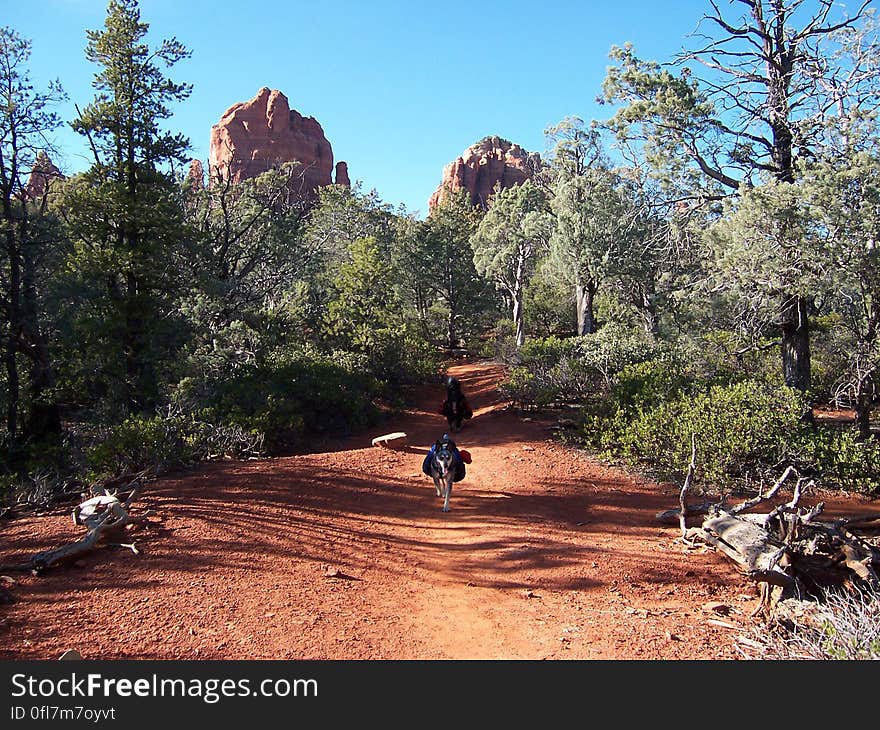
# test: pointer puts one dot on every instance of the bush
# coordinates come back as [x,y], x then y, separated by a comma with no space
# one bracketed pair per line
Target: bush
[501,344]
[164,442]
[648,384]
[742,430]
[843,625]
[719,357]
[839,459]
[556,371]
[291,396]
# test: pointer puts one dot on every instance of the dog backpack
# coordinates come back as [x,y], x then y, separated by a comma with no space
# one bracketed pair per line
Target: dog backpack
[460,470]
[426,464]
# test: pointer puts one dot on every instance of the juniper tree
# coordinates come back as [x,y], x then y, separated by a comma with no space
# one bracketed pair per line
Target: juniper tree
[751,98]
[448,262]
[508,241]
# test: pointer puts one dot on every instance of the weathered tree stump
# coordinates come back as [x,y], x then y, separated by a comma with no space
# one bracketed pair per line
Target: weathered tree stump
[787,550]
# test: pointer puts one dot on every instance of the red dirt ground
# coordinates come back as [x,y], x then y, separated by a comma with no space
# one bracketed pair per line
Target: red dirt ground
[346,554]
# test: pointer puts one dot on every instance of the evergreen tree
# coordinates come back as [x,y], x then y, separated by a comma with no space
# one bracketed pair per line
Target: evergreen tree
[364,314]
[448,263]
[775,77]
[125,213]
[25,120]
[591,215]
[507,242]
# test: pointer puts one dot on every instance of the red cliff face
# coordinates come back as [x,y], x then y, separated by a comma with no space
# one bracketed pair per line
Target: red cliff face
[195,176]
[482,166]
[257,135]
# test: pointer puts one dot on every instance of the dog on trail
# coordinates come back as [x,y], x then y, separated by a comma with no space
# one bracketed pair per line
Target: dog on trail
[456,407]
[445,464]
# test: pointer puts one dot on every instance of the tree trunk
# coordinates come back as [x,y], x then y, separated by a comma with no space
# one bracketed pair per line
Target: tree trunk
[142,386]
[586,321]
[796,343]
[518,318]
[44,415]
[864,401]
[451,334]
[651,322]
[648,308]
[518,286]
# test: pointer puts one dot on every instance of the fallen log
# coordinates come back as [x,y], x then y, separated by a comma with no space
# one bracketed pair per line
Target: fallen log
[673,516]
[787,550]
[759,554]
[391,440]
[105,518]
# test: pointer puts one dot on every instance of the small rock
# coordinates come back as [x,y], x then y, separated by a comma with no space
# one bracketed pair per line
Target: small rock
[716,607]
[672,637]
[71,654]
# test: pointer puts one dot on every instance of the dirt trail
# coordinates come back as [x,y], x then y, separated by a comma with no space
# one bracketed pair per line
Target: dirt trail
[346,554]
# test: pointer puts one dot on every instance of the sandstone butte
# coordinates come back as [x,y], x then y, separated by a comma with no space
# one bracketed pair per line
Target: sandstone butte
[257,135]
[491,161]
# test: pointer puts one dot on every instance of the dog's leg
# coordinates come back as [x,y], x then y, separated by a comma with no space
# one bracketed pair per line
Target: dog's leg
[448,484]
[437,486]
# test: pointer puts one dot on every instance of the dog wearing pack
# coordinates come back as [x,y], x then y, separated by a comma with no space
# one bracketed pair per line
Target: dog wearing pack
[445,464]
[456,407]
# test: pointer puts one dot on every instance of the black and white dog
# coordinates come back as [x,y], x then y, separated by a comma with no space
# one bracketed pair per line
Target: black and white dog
[445,465]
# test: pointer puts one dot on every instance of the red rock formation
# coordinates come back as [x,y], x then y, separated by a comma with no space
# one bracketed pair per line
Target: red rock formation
[254,136]
[482,166]
[42,174]
[342,174]
[195,177]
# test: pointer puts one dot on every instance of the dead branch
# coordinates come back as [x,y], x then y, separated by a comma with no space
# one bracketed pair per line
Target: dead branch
[749,503]
[788,548]
[684,489]
[105,518]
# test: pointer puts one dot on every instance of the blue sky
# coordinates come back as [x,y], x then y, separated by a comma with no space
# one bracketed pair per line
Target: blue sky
[400,88]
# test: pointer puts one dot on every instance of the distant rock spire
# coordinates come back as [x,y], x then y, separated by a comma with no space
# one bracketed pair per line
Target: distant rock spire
[195,176]
[491,161]
[41,177]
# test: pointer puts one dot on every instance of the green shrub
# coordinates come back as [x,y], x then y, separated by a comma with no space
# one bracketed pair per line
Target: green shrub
[839,459]
[648,384]
[742,430]
[135,444]
[289,397]
[556,371]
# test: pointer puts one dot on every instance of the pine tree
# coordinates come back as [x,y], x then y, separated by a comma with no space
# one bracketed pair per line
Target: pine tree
[124,212]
